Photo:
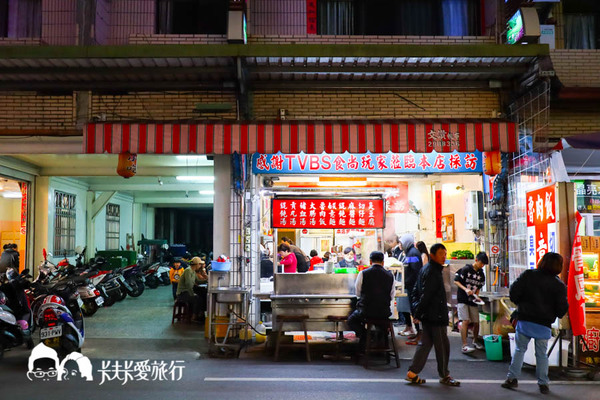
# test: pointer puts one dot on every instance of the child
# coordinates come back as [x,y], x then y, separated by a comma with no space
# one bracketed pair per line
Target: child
[174,274]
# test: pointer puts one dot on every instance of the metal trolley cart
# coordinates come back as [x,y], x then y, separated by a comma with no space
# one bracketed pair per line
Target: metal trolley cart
[228,308]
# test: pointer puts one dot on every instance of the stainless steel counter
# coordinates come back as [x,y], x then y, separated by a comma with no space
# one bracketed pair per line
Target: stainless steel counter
[315,295]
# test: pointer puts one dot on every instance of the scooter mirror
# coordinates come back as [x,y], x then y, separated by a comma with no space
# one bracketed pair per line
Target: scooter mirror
[78,249]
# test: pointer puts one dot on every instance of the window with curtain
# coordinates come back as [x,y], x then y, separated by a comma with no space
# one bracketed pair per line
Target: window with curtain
[399,17]
[113,229]
[64,223]
[461,17]
[3,18]
[581,31]
[191,16]
[21,19]
[335,17]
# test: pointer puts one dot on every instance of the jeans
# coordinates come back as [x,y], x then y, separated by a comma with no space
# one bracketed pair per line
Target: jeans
[437,337]
[541,358]
[174,285]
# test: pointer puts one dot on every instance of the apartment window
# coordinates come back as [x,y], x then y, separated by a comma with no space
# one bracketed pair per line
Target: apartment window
[21,18]
[113,222]
[581,24]
[399,17]
[64,223]
[191,16]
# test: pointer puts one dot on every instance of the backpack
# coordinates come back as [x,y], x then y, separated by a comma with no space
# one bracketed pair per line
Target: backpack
[301,263]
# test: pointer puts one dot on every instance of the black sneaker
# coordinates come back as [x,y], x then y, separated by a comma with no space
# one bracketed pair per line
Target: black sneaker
[510,384]
[544,389]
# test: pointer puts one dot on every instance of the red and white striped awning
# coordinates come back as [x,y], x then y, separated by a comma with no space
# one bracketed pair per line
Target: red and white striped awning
[296,136]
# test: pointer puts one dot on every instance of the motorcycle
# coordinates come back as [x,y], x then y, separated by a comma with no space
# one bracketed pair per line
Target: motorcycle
[134,279]
[156,275]
[59,317]
[16,325]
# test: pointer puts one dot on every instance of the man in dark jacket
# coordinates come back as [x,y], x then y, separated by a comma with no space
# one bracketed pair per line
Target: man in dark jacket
[541,297]
[429,298]
[375,291]
[9,257]
[412,265]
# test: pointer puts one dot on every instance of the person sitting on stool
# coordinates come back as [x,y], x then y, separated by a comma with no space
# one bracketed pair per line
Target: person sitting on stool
[375,291]
[185,289]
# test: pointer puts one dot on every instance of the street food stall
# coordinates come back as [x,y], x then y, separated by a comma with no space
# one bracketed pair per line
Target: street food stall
[329,202]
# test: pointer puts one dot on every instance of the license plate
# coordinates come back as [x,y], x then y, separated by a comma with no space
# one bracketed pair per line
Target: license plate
[127,285]
[47,333]
[99,301]
[79,302]
[144,279]
[120,277]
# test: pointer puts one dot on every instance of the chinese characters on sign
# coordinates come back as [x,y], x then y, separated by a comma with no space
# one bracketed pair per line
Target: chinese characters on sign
[328,213]
[23,187]
[588,196]
[441,138]
[311,17]
[541,223]
[347,163]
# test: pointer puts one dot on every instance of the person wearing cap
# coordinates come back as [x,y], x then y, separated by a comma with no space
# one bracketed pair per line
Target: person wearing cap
[174,275]
[185,289]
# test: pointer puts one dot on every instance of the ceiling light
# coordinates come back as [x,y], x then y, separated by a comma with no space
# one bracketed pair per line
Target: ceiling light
[202,179]
[207,192]
[328,181]
[191,158]
[11,195]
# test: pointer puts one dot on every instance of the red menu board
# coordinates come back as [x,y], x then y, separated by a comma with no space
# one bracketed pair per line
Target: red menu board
[328,213]
[541,223]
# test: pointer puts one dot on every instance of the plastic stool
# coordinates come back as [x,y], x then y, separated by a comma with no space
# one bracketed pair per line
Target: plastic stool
[181,312]
[339,333]
[387,326]
[283,319]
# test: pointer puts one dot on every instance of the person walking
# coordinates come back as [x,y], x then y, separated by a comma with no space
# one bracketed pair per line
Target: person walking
[541,297]
[429,298]
[412,265]
[470,280]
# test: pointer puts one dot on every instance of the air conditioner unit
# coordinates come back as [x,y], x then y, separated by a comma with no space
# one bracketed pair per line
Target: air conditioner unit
[474,210]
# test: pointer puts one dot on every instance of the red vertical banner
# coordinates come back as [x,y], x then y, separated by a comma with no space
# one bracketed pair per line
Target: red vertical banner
[23,186]
[575,285]
[311,17]
[438,214]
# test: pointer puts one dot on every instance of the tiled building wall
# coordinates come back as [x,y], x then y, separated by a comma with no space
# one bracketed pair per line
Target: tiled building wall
[159,106]
[375,104]
[572,122]
[577,68]
[277,17]
[59,22]
[26,110]
[130,17]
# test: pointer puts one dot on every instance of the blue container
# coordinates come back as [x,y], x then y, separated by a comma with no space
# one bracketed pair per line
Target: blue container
[221,266]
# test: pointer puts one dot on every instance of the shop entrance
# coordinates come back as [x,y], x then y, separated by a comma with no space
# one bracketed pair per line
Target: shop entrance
[13,222]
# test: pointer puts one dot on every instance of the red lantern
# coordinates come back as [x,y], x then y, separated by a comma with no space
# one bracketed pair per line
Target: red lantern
[492,162]
[127,164]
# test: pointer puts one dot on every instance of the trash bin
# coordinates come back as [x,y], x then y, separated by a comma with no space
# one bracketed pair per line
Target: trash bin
[493,347]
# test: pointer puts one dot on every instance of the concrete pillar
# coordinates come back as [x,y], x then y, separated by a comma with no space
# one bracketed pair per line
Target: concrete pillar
[41,216]
[222,204]
[136,223]
[150,215]
[171,226]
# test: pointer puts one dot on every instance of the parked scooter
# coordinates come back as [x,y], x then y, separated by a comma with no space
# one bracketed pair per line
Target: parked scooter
[15,315]
[59,317]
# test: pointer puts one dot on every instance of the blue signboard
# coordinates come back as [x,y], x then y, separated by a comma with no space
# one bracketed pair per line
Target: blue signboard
[368,163]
